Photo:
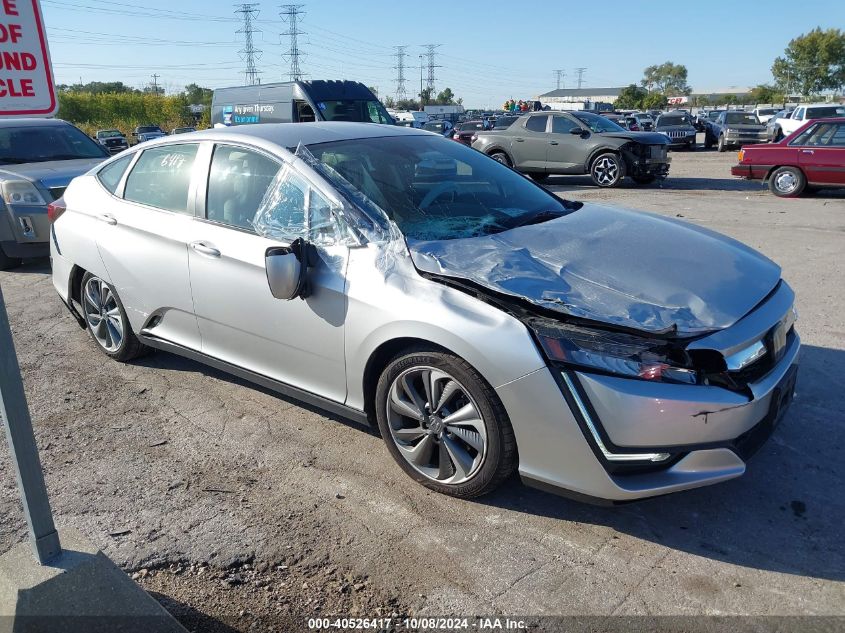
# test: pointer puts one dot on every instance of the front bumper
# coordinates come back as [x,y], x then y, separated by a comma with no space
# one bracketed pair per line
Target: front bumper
[592,436]
[28,230]
[745,139]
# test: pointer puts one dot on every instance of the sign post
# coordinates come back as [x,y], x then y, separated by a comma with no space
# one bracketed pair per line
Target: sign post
[15,414]
[26,75]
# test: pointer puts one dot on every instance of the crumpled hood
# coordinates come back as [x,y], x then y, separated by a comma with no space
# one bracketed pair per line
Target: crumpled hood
[648,138]
[620,267]
[56,173]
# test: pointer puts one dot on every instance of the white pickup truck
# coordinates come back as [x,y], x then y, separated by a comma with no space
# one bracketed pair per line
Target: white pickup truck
[804,113]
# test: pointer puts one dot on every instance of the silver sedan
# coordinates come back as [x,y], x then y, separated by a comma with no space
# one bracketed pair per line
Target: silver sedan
[394,277]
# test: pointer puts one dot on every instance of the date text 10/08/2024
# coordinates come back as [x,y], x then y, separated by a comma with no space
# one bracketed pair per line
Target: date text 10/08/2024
[417,624]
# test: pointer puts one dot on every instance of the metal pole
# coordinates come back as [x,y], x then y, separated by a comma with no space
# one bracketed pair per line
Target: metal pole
[21,439]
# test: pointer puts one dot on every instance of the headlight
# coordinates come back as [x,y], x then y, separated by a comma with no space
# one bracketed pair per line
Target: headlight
[21,192]
[611,352]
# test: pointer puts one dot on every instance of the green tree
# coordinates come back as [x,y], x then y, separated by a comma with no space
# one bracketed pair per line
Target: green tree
[446,97]
[197,95]
[812,63]
[631,98]
[667,78]
[654,101]
[98,87]
[764,93]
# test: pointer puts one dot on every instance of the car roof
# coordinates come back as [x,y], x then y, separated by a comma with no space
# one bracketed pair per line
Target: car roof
[292,134]
[32,122]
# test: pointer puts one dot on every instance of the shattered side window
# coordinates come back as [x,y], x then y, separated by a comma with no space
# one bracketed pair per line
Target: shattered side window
[292,208]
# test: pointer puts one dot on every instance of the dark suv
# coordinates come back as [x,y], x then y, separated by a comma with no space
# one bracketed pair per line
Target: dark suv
[542,144]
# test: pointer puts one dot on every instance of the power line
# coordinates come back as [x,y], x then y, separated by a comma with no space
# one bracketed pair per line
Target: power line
[249,53]
[580,73]
[291,14]
[431,51]
[400,72]
[561,75]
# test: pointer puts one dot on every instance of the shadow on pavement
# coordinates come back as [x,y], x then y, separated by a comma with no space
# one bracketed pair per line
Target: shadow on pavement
[786,514]
[192,619]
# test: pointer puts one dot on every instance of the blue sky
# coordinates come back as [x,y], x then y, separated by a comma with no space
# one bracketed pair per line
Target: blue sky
[489,51]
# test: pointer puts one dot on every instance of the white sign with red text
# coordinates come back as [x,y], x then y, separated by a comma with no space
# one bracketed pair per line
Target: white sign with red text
[26,75]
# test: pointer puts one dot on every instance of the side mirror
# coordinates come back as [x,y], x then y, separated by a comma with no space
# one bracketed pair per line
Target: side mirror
[287,267]
[577,130]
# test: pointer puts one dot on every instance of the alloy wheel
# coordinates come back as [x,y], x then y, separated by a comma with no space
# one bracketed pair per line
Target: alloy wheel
[606,170]
[436,425]
[103,314]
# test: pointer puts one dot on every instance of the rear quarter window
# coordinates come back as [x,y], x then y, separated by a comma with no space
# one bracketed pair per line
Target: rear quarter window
[110,175]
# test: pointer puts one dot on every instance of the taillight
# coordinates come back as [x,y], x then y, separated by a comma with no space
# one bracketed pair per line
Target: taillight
[55,209]
[741,155]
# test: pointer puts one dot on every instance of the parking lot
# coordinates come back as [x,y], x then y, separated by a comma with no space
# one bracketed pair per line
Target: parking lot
[229,502]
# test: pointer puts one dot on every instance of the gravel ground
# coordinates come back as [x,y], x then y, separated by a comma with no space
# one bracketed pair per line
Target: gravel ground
[231,504]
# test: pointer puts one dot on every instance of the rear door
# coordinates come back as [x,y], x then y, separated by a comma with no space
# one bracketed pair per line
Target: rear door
[298,342]
[530,143]
[143,242]
[821,153]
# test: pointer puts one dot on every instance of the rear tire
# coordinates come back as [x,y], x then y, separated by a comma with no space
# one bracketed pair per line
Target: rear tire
[106,321]
[787,182]
[6,262]
[466,458]
[539,177]
[607,170]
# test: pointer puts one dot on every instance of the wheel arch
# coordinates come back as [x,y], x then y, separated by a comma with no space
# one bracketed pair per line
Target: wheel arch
[603,149]
[489,151]
[776,167]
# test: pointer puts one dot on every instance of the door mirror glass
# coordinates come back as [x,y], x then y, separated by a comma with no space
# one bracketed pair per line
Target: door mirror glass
[576,130]
[286,270]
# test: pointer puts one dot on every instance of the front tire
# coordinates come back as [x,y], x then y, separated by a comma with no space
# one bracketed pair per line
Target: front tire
[778,135]
[443,424]
[6,262]
[539,177]
[106,321]
[721,146]
[501,157]
[787,182]
[607,169]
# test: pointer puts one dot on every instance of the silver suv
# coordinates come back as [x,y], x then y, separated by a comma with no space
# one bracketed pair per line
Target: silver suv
[38,158]
[395,277]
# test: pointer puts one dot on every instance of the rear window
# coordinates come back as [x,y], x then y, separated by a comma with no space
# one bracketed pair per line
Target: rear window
[161,177]
[826,111]
[110,175]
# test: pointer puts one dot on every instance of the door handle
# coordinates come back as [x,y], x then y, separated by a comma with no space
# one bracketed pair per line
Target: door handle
[204,249]
[108,218]
[519,140]
[553,142]
[807,151]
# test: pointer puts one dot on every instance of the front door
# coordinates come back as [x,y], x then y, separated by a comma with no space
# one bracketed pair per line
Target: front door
[530,143]
[143,238]
[297,342]
[567,151]
[822,153]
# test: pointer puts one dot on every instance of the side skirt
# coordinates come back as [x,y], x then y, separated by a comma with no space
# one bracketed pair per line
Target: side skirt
[284,389]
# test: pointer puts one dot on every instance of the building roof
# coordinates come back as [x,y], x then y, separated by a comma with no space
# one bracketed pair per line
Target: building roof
[583,92]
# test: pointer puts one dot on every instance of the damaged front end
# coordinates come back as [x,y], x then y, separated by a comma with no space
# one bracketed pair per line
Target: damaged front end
[646,161]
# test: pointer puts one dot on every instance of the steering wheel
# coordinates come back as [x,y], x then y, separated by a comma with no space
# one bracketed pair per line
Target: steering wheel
[435,193]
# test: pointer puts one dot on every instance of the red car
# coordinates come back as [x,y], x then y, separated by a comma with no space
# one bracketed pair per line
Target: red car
[812,156]
[464,131]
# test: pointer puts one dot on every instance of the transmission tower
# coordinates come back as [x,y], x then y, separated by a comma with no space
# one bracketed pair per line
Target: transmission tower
[291,14]
[249,53]
[430,52]
[561,75]
[580,72]
[400,56]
